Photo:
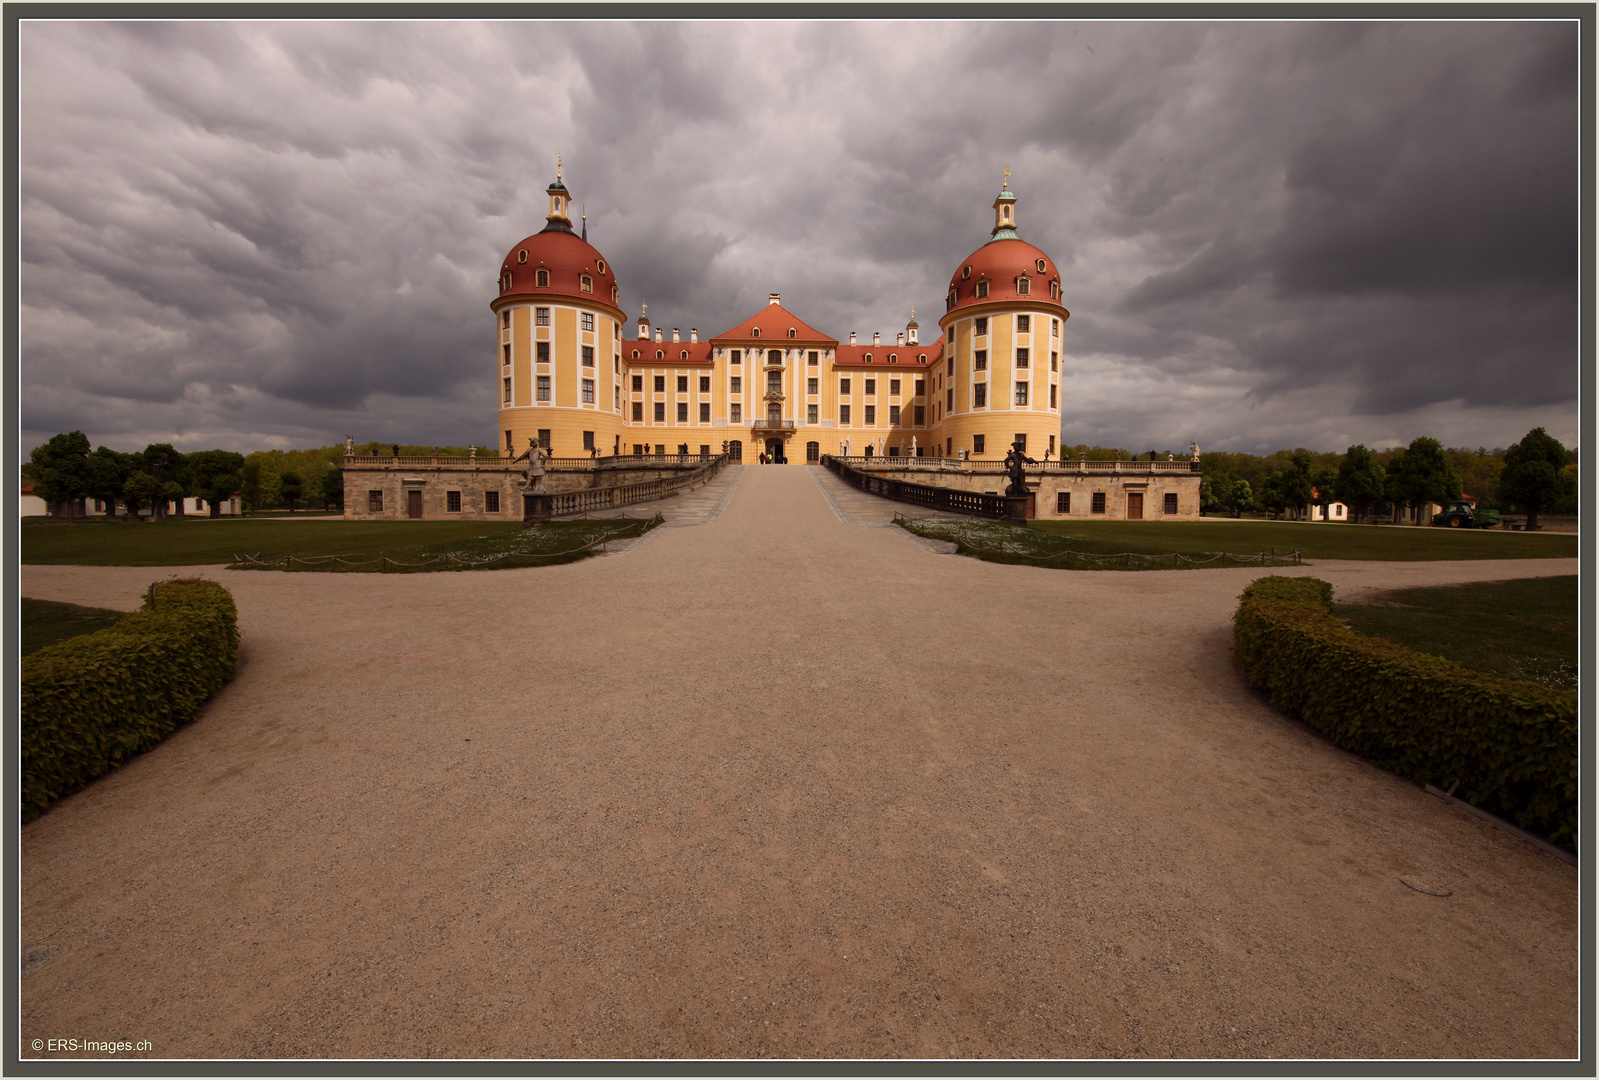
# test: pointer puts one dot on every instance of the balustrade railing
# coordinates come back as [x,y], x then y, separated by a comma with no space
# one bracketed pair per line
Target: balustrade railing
[992,465]
[998,507]
[489,461]
[540,507]
[773,425]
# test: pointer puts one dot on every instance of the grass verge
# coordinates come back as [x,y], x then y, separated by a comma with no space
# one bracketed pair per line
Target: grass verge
[1324,540]
[1515,629]
[1005,542]
[45,622]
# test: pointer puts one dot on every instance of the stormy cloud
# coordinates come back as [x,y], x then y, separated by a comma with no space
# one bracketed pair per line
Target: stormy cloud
[268,235]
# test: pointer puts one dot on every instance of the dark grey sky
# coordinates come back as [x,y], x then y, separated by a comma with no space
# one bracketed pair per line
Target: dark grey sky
[1276,234]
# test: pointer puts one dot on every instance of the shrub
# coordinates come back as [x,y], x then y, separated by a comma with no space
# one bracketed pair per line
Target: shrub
[92,702]
[1512,745]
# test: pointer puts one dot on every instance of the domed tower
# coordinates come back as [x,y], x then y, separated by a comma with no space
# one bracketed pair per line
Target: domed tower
[1002,341]
[559,334]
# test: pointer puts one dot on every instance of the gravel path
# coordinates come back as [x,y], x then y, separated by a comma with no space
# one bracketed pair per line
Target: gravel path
[775,784]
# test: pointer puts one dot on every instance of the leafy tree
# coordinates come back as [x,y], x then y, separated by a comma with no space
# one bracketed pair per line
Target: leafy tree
[214,475]
[250,485]
[1242,498]
[1361,480]
[108,471]
[1297,482]
[1531,477]
[289,485]
[61,470]
[138,491]
[1422,474]
[163,462]
[332,488]
[1272,495]
[1324,486]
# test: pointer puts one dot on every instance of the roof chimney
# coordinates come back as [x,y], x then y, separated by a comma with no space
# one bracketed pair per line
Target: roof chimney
[693,333]
[852,337]
[899,339]
[877,339]
[676,337]
[658,336]
[773,298]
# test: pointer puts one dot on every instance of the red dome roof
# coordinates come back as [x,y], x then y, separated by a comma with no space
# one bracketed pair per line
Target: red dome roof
[567,258]
[1002,263]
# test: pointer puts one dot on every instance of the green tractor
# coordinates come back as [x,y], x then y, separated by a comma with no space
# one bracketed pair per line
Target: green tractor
[1461,515]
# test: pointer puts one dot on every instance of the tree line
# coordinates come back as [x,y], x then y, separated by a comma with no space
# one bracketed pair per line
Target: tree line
[1536,475]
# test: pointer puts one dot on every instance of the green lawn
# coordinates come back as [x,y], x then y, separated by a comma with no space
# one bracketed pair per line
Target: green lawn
[545,544]
[194,542]
[1326,540]
[45,622]
[1517,629]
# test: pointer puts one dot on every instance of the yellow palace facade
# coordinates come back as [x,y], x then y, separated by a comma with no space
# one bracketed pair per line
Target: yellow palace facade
[574,372]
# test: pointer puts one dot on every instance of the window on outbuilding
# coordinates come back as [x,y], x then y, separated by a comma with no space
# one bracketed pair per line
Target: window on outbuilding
[1098,506]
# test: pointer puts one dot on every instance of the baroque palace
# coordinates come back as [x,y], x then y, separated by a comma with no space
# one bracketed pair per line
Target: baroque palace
[573,372]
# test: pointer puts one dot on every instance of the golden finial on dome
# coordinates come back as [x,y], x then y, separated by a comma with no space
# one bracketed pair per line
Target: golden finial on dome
[1003,185]
[558,167]
[913,314]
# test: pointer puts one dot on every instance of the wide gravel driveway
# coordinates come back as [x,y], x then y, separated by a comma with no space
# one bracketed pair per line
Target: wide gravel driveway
[782,783]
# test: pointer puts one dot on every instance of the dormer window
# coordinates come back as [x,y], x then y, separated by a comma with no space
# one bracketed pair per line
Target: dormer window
[599,265]
[1054,290]
[505,283]
[1024,285]
[893,358]
[660,354]
[614,295]
[868,358]
[541,278]
[521,256]
[635,354]
[966,272]
[1041,266]
[755,331]
[685,355]
[951,302]
[791,332]
[587,283]
[982,290]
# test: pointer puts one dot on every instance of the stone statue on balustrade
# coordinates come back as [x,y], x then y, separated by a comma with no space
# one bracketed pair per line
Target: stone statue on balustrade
[533,473]
[349,446]
[1014,460]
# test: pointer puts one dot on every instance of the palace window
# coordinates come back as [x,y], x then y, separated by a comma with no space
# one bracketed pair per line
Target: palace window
[374,502]
[813,451]
[1054,361]
[871,386]
[1169,503]
[792,333]
[1021,441]
[615,294]
[735,356]
[638,384]
[705,384]
[588,356]
[683,355]
[950,404]
[1054,290]
[810,414]
[586,283]
[660,412]
[1054,328]
[682,412]
[588,320]
[1098,506]
[774,380]
[871,414]
[1024,285]
[616,397]
[843,386]
[774,356]
[1021,393]
[735,413]
[705,412]
[508,444]
[755,331]
[660,354]
[921,414]
[893,386]
[952,335]
[542,353]
[660,384]
[1024,324]
[541,316]
[980,395]
[893,414]
[505,282]
[1042,266]
[980,360]
[978,443]
[545,440]
[868,358]
[1063,502]
[949,301]
[682,384]
[1052,390]
[982,290]
[491,502]
[635,354]
[737,386]
[638,412]
[588,391]
[505,319]
[541,278]
[1021,357]
[521,256]
[843,415]
[452,502]
[966,272]
[921,387]
[812,357]
[811,386]
[588,440]
[893,358]
[507,391]
[599,266]
[981,327]
[544,388]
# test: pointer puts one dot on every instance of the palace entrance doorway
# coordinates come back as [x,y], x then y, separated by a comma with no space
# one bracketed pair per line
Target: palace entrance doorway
[774,451]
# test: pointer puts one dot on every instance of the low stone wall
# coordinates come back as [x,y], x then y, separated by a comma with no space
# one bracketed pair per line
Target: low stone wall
[1151,486]
[384,492]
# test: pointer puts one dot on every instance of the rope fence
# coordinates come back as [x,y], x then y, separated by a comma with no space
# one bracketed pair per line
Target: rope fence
[383,564]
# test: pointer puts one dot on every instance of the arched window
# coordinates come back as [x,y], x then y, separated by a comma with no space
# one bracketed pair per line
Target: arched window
[1054,290]
[922,359]
[950,302]
[660,354]
[635,354]
[684,356]
[813,451]
[893,358]
[521,256]
[868,358]
[982,290]
[614,295]
[506,283]
[755,331]
[587,283]
[792,333]
[542,279]
[1024,285]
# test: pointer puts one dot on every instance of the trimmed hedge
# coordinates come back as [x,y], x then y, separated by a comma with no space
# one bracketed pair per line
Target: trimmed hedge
[1511,744]
[92,702]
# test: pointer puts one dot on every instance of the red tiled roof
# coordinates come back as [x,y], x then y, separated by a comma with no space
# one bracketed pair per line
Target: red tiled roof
[1000,263]
[909,355]
[774,322]
[699,352]
[567,257]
